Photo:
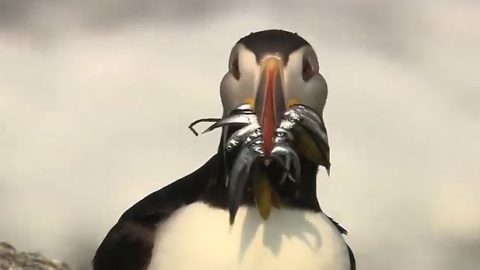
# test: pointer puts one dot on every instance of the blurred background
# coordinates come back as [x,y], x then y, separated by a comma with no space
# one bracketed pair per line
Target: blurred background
[96,97]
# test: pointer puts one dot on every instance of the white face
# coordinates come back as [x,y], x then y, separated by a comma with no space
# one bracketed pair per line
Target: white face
[302,83]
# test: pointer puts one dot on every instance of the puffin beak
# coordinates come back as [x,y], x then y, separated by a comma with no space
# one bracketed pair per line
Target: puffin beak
[269,107]
[269,101]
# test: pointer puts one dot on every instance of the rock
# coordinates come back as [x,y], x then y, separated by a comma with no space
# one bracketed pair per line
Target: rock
[11,259]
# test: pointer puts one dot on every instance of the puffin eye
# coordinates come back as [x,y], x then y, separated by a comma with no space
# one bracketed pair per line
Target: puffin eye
[234,68]
[307,69]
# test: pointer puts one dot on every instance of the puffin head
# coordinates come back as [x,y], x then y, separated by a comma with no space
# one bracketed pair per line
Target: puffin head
[272,70]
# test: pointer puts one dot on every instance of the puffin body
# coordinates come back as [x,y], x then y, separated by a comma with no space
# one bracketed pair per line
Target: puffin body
[254,207]
[289,239]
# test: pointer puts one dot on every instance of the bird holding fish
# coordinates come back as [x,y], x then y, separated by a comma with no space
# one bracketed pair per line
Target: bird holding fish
[254,204]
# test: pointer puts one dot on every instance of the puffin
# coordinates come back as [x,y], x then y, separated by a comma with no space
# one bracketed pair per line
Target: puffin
[253,204]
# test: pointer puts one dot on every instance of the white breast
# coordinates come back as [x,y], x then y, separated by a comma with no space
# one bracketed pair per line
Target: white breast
[200,237]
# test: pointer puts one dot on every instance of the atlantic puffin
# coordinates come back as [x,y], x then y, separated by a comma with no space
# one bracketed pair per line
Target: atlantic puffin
[253,204]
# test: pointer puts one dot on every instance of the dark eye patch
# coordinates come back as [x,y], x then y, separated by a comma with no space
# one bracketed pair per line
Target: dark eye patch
[234,69]
[307,69]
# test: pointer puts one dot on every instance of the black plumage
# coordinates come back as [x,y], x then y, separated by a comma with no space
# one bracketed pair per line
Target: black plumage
[128,245]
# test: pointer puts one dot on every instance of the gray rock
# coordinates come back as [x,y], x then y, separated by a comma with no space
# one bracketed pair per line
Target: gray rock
[11,259]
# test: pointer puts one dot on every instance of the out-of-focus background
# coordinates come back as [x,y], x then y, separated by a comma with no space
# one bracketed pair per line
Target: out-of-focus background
[96,96]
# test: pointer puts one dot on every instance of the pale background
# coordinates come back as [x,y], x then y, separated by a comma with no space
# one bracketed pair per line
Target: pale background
[96,96]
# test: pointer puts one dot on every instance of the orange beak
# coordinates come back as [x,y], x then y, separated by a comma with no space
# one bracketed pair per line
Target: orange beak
[270,102]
